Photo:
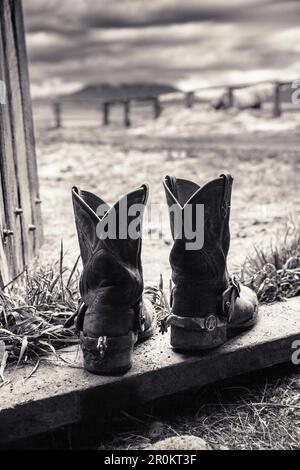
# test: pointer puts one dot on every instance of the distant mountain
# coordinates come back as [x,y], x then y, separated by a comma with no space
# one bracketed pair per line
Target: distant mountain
[120,92]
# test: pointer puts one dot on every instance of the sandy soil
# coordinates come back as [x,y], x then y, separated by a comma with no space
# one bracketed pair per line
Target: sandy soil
[111,162]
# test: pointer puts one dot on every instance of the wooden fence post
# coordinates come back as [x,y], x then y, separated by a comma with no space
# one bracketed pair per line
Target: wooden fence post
[230,97]
[157,108]
[127,122]
[105,110]
[276,100]
[57,115]
[189,99]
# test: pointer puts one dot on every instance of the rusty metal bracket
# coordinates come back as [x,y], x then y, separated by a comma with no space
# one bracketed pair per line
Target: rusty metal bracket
[6,234]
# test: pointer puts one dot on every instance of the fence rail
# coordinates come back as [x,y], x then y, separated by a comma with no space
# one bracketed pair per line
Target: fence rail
[101,110]
[59,109]
[20,221]
[230,90]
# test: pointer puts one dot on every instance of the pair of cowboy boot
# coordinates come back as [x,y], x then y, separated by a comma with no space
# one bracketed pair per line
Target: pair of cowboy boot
[205,301]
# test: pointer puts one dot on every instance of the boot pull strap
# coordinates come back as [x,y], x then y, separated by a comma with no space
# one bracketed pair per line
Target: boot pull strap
[77,317]
[226,196]
[229,297]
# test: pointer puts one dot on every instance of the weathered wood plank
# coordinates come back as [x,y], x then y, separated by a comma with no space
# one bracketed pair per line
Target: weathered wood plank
[17,127]
[21,52]
[4,258]
[58,395]
[12,221]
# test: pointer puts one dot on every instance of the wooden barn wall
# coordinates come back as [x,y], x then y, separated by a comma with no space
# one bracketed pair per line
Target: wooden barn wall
[20,222]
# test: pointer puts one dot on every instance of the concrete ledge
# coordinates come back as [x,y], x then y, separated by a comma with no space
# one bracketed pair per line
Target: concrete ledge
[57,394]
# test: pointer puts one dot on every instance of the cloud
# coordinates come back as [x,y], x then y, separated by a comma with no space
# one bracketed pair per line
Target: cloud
[162,40]
[71,17]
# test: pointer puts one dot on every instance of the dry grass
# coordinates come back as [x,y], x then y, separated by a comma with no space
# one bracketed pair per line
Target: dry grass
[275,273]
[34,310]
[254,412]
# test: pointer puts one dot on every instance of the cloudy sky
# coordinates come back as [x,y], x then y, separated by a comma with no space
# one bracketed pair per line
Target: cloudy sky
[188,43]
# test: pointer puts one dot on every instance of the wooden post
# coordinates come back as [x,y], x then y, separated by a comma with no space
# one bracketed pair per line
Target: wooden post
[2,92]
[157,108]
[230,97]
[127,122]
[276,101]
[106,109]
[57,115]
[189,99]
[20,220]
[17,13]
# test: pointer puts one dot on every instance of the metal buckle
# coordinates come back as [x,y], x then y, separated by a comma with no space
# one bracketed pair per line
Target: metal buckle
[102,346]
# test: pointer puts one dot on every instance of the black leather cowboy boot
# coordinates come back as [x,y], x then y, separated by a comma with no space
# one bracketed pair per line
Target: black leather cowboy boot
[206,302]
[112,314]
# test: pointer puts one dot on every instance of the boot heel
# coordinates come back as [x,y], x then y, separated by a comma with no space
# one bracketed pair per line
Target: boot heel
[108,355]
[189,339]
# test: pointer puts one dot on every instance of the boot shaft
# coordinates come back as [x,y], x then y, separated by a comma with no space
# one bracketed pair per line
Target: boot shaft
[110,240]
[199,275]
[117,228]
